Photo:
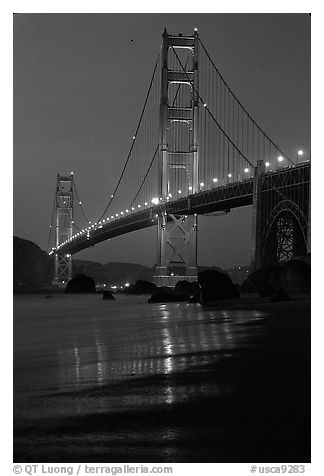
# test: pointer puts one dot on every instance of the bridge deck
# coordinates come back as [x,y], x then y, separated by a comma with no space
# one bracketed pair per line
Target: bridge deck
[233,195]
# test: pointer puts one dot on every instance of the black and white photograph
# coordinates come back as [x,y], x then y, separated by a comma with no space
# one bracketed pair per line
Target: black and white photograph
[161,241]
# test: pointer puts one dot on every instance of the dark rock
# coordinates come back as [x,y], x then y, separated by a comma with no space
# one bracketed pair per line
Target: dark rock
[280,295]
[264,282]
[108,295]
[186,288]
[81,284]
[296,277]
[215,285]
[163,296]
[141,287]
[194,298]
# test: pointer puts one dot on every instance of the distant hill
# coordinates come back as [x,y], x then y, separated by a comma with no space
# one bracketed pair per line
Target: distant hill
[113,273]
[33,268]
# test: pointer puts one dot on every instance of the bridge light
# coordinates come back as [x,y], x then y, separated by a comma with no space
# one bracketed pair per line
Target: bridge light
[133,208]
[117,215]
[126,285]
[155,201]
[104,220]
[134,137]
[280,158]
[196,29]
[190,188]
[170,195]
[299,154]
[205,105]
[246,170]
[138,206]
[214,179]
[267,164]
[229,175]
[80,203]
[71,173]
[202,184]
[127,210]
[145,204]
[122,213]
[72,221]
[112,195]
[112,217]
[179,191]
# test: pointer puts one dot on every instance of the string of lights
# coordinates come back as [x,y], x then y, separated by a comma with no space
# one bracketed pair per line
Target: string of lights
[230,141]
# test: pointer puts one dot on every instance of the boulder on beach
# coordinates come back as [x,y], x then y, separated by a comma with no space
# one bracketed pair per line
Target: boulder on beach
[293,277]
[186,288]
[194,299]
[215,285]
[280,295]
[81,284]
[141,287]
[264,281]
[167,296]
[296,277]
[108,295]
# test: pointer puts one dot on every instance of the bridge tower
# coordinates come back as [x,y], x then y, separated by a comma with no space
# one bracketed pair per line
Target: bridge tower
[63,227]
[178,160]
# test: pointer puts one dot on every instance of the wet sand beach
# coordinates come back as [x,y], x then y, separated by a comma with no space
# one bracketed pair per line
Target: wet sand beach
[128,381]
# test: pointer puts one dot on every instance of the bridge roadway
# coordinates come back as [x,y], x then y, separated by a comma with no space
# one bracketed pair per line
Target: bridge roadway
[224,197]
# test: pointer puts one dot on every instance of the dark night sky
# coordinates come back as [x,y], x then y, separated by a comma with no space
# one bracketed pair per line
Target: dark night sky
[79,86]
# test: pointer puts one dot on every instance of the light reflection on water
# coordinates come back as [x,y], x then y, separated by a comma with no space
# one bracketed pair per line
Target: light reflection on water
[180,339]
[101,344]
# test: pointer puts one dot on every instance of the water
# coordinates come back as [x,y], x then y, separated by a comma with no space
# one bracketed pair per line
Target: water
[125,380]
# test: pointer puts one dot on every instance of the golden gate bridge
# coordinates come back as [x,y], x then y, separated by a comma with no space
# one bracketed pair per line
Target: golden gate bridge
[195,150]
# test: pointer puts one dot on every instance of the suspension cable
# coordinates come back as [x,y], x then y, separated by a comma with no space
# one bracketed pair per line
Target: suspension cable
[51,225]
[147,172]
[210,113]
[241,105]
[133,142]
[79,201]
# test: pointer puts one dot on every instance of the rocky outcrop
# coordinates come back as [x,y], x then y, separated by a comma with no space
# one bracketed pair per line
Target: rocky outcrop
[264,282]
[215,285]
[108,295]
[296,277]
[293,277]
[280,295]
[81,284]
[186,288]
[141,287]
